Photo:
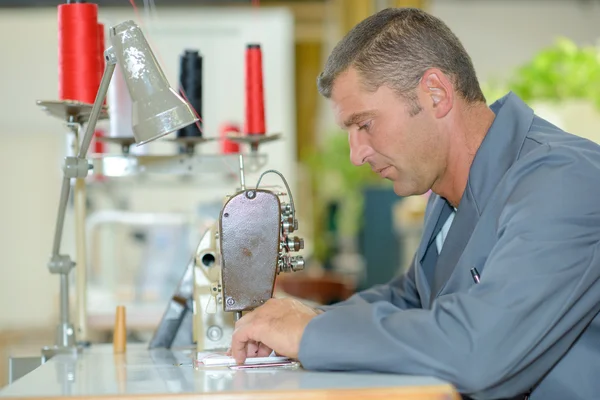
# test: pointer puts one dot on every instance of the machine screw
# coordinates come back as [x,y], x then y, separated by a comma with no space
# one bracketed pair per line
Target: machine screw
[289,225]
[250,194]
[283,264]
[297,263]
[295,243]
[60,264]
[230,301]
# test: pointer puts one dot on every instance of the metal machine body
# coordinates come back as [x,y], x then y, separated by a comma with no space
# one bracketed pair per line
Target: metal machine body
[249,228]
[212,326]
[251,247]
[234,269]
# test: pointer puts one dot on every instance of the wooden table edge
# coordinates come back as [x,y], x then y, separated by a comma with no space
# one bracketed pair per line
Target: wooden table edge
[430,392]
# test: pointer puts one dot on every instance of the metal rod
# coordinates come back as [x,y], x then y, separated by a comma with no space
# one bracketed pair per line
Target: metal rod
[242,178]
[85,144]
[64,298]
[96,108]
[60,220]
[237,315]
[80,249]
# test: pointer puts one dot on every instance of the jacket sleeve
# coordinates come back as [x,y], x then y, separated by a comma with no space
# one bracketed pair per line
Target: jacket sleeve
[539,290]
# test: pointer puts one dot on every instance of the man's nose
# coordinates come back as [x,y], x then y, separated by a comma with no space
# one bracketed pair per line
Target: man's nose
[359,148]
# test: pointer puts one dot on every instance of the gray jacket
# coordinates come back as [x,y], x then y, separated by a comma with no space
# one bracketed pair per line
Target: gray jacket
[529,221]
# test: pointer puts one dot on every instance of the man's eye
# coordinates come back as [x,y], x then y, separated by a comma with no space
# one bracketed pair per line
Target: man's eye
[364,127]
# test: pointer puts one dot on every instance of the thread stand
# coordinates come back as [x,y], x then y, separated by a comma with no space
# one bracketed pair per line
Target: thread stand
[188,163]
[129,165]
[75,114]
[254,140]
[126,141]
[189,142]
[70,111]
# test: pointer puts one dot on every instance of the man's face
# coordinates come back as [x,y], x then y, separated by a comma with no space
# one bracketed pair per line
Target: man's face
[401,147]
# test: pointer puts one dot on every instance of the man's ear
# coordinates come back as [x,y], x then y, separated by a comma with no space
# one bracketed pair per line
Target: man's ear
[438,91]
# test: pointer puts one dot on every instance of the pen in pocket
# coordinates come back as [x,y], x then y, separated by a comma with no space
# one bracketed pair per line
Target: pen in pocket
[475,274]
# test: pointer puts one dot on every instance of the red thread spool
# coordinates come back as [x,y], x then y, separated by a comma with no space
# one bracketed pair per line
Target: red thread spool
[255,104]
[101,63]
[78,51]
[229,146]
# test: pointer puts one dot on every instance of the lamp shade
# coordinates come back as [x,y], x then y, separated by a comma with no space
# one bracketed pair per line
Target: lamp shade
[157,109]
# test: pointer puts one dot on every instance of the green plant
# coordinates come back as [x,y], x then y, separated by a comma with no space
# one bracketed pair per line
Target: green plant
[560,72]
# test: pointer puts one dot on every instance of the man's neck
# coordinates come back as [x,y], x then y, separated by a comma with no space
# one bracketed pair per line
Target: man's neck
[467,131]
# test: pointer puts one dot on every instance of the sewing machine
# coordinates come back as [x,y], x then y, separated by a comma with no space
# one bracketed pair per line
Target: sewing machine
[233,269]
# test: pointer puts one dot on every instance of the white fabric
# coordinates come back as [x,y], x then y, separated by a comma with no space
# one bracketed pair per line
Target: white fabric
[441,237]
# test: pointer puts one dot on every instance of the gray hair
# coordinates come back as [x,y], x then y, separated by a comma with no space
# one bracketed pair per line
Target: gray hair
[395,47]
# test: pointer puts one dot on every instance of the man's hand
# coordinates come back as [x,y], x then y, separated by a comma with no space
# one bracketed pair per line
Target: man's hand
[276,325]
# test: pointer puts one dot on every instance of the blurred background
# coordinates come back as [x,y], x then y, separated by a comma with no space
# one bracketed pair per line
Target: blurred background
[141,231]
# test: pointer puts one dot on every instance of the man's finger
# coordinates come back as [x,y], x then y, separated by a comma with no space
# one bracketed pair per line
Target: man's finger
[251,348]
[239,343]
[263,350]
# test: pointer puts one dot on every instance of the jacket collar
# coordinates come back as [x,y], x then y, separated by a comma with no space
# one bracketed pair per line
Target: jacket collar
[498,151]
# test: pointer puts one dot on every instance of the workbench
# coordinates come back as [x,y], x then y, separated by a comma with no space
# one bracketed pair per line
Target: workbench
[161,373]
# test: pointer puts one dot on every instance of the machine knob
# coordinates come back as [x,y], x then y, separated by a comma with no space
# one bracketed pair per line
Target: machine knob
[295,243]
[297,263]
[214,333]
[290,225]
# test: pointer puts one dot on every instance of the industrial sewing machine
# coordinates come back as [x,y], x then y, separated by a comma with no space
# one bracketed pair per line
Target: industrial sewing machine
[233,269]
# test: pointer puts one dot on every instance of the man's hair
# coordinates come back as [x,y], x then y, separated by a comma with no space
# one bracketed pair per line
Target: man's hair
[395,47]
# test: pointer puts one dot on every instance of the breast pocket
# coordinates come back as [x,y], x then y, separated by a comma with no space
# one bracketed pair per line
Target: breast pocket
[468,272]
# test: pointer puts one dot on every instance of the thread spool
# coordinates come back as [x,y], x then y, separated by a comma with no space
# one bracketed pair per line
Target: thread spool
[101,45]
[120,106]
[78,51]
[120,331]
[190,84]
[228,146]
[255,109]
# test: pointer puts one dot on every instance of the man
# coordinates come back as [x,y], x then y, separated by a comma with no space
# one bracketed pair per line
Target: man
[503,295]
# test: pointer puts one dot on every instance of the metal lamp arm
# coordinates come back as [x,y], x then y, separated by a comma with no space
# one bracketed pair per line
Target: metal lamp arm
[77,167]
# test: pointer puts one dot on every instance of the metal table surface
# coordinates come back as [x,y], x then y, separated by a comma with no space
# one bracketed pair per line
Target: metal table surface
[162,373]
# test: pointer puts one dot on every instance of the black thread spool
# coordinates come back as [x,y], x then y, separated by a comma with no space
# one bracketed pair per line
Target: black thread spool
[190,84]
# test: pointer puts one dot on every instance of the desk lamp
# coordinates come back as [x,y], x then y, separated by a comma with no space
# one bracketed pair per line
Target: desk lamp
[157,111]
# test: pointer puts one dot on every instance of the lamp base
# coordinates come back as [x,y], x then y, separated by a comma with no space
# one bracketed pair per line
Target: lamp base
[65,335]
[50,351]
